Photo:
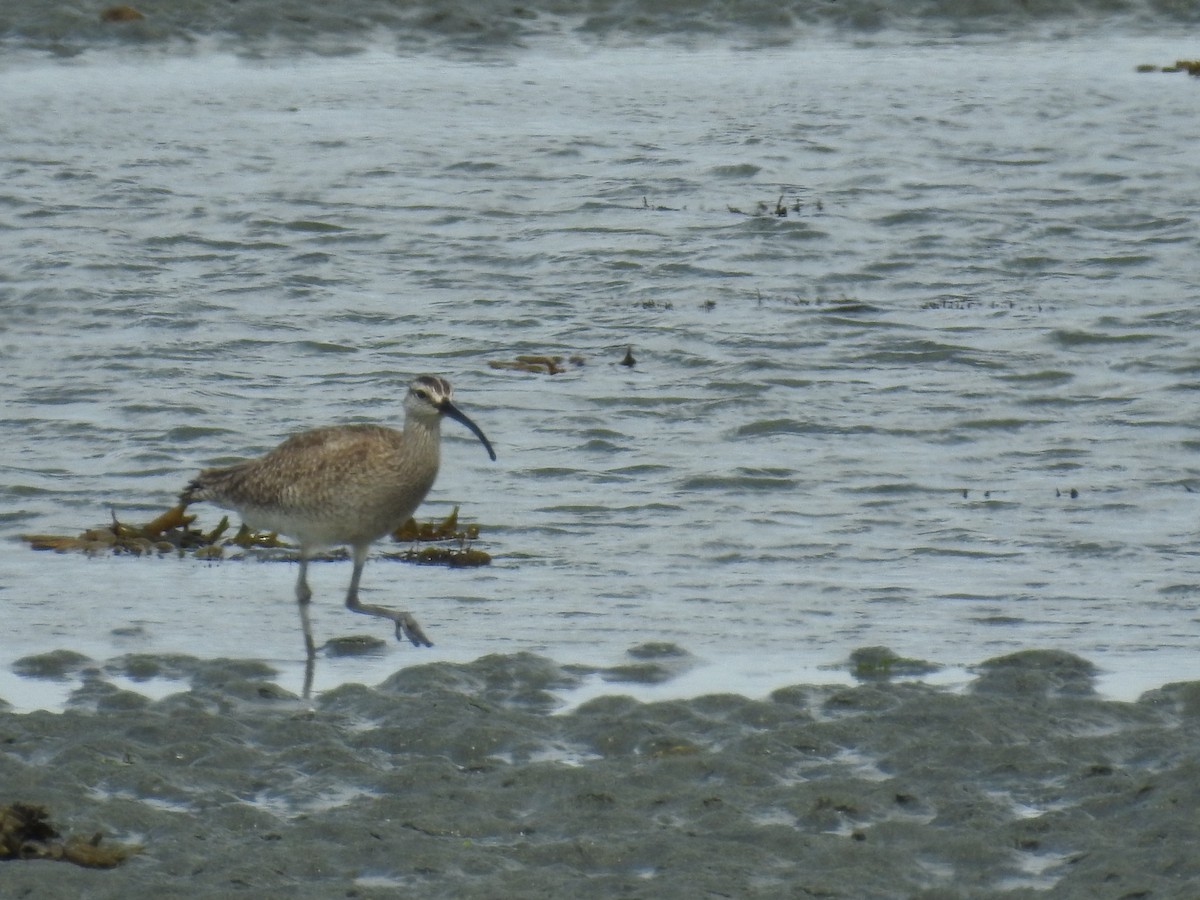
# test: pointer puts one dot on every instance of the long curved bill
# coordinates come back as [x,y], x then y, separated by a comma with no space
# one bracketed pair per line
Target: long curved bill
[449,409]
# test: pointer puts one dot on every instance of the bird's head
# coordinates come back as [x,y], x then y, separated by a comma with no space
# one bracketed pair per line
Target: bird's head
[430,396]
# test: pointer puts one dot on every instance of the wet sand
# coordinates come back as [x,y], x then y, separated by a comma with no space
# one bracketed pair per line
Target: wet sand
[462,781]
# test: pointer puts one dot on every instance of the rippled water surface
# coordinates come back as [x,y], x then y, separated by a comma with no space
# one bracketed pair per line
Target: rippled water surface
[947,403]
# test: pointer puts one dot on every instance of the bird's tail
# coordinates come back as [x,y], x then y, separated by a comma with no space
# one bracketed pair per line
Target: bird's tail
[213,484]
[195,491]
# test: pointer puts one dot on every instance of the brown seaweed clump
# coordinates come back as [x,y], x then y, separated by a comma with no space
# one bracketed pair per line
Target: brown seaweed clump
[172,532]
[1191,66]
[26,833]
[454,557]
[461,556]
[539,364]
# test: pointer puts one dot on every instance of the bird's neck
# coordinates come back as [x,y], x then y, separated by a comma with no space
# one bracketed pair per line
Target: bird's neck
[423,432]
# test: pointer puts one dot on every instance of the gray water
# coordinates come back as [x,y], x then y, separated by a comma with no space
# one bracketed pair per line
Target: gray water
[946,404]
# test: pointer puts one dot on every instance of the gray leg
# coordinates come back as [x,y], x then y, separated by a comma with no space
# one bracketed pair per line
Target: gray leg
[303,597]
[406,625]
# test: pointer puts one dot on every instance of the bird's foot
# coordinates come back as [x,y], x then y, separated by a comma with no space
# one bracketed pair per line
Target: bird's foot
[407,627]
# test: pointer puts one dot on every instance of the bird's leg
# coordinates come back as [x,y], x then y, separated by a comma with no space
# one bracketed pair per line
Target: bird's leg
[303,597]
[310,667]
[406,625]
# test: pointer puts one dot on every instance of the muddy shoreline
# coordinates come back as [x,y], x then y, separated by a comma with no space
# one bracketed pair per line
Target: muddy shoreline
[461,780]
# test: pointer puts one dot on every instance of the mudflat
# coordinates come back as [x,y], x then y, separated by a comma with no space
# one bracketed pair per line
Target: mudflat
[465,781]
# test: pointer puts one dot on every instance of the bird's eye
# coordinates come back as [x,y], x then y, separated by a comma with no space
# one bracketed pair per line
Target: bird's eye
[420,394]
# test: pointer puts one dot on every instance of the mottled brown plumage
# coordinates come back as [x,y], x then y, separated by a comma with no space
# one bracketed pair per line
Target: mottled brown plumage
[343,484]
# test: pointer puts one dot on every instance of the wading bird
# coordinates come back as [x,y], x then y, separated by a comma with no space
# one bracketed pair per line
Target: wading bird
[339,485]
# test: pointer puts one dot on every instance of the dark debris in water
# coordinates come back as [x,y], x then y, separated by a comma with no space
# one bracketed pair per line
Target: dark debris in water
[26,833]
[835,305]
[962,303]
[780,208]
[173,532]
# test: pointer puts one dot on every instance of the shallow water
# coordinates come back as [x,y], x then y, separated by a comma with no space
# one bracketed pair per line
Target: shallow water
[858,424]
